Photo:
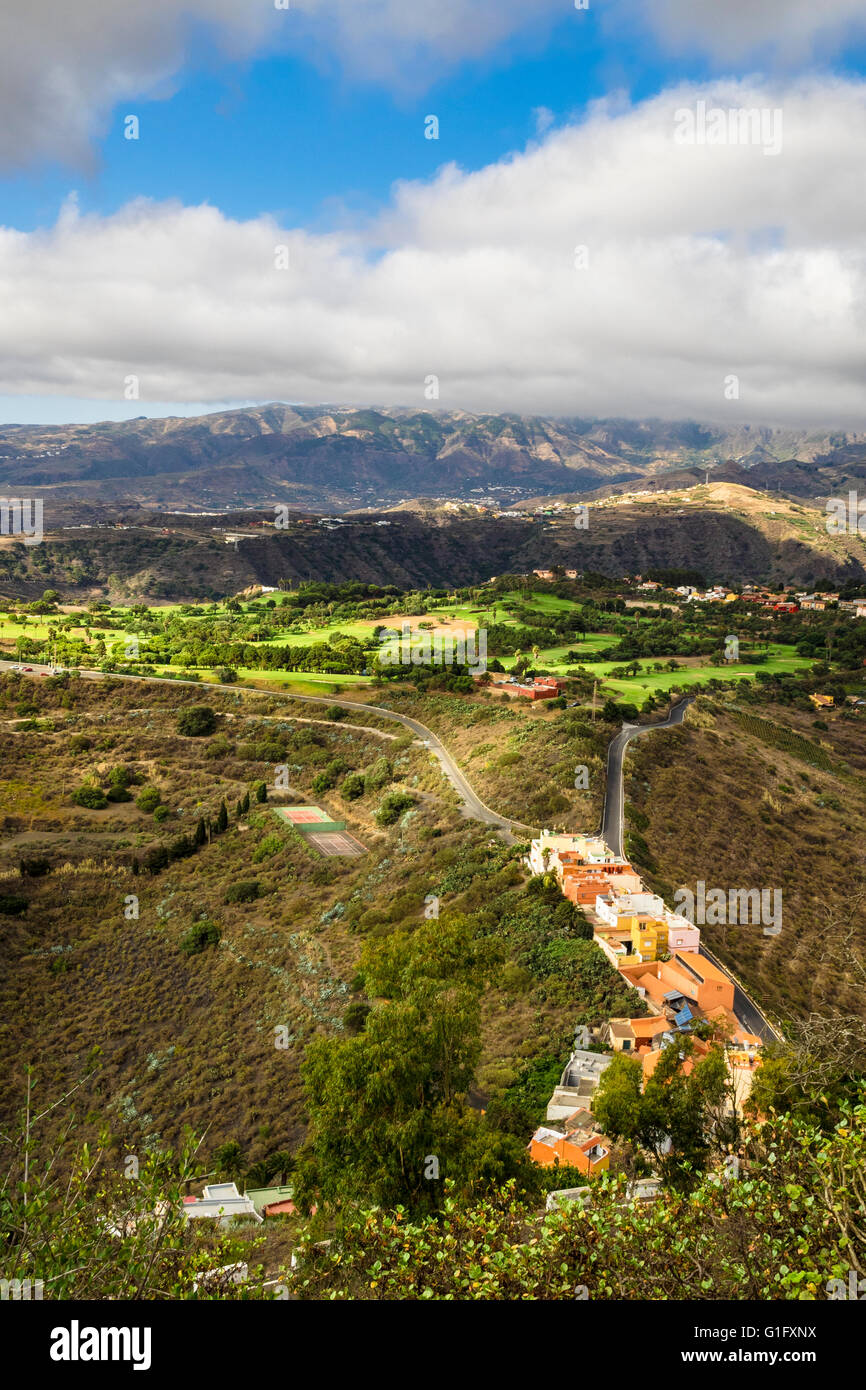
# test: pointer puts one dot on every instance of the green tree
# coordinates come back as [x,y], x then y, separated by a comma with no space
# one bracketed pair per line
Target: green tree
[229,1161]
[617,1104]
[353,787]
[383,1102]
[392,807]
[196,721]
[89,1230]
[148,799]
[91,796]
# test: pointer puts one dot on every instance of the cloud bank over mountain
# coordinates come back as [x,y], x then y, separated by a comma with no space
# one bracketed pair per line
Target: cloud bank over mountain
[605,269]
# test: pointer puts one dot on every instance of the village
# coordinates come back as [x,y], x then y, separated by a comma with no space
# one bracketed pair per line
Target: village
[658,954]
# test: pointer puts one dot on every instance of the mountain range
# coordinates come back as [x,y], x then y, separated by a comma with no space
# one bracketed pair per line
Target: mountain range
[342,458]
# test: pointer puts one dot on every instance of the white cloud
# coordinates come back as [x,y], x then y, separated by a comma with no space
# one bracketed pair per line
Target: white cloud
[703,261]
[65,66]
[543,118]
[788,29]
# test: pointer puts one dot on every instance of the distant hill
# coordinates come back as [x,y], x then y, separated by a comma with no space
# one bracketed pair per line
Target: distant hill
[340,458]
[726,531]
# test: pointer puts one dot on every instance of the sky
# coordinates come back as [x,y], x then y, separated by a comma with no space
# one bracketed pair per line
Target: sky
[622,208]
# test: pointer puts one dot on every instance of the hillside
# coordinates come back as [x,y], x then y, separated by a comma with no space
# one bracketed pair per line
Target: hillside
[727,532]
[341,458]
[772,801]
[155,1036]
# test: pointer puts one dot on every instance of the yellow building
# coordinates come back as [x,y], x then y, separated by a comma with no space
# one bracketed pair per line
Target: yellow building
[649,937]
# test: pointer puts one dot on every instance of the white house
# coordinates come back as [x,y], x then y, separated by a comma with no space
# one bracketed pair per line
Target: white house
[221,1201]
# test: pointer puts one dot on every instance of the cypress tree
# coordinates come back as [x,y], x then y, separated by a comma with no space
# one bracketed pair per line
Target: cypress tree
[222,818]
[200,836]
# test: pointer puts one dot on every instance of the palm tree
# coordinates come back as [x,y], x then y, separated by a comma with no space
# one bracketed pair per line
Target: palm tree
[280,1165]
[229,1161]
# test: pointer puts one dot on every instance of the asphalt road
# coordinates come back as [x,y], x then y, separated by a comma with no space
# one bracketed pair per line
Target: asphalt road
[747,1011]
[611,823]
[473,806]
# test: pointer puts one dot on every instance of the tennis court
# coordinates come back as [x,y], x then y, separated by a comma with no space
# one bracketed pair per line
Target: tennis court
[331,845]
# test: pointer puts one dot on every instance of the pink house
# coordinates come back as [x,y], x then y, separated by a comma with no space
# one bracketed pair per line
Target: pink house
[682,936]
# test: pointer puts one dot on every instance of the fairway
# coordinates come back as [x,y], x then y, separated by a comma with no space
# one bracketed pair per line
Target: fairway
[458,618]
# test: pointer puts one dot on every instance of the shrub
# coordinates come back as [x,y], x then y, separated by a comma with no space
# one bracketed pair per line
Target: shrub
[356,1016]
[34,868]
[148,800]
[181,848]
[227,675]
[79,743]
[353,787]
[91,796]
[12,905]
[200,937]
[270,845]
[335,712]
[327,778]
[117,793]
[244,892]
[378,775]
[197,721]
[161,813]
[156,859]
[393,806]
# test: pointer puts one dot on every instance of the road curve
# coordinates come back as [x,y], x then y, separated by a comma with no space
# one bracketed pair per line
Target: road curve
[611,822]
[473,806]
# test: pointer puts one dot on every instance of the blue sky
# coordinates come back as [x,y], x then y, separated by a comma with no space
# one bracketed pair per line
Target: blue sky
[313,144]
[309,128]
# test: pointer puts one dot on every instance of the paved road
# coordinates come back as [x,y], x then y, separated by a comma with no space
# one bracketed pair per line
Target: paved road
[611,824]
[747,1011]
[473,806]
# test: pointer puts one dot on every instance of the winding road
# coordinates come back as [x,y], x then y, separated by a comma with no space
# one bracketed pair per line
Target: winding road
[611,822]
[473,806]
